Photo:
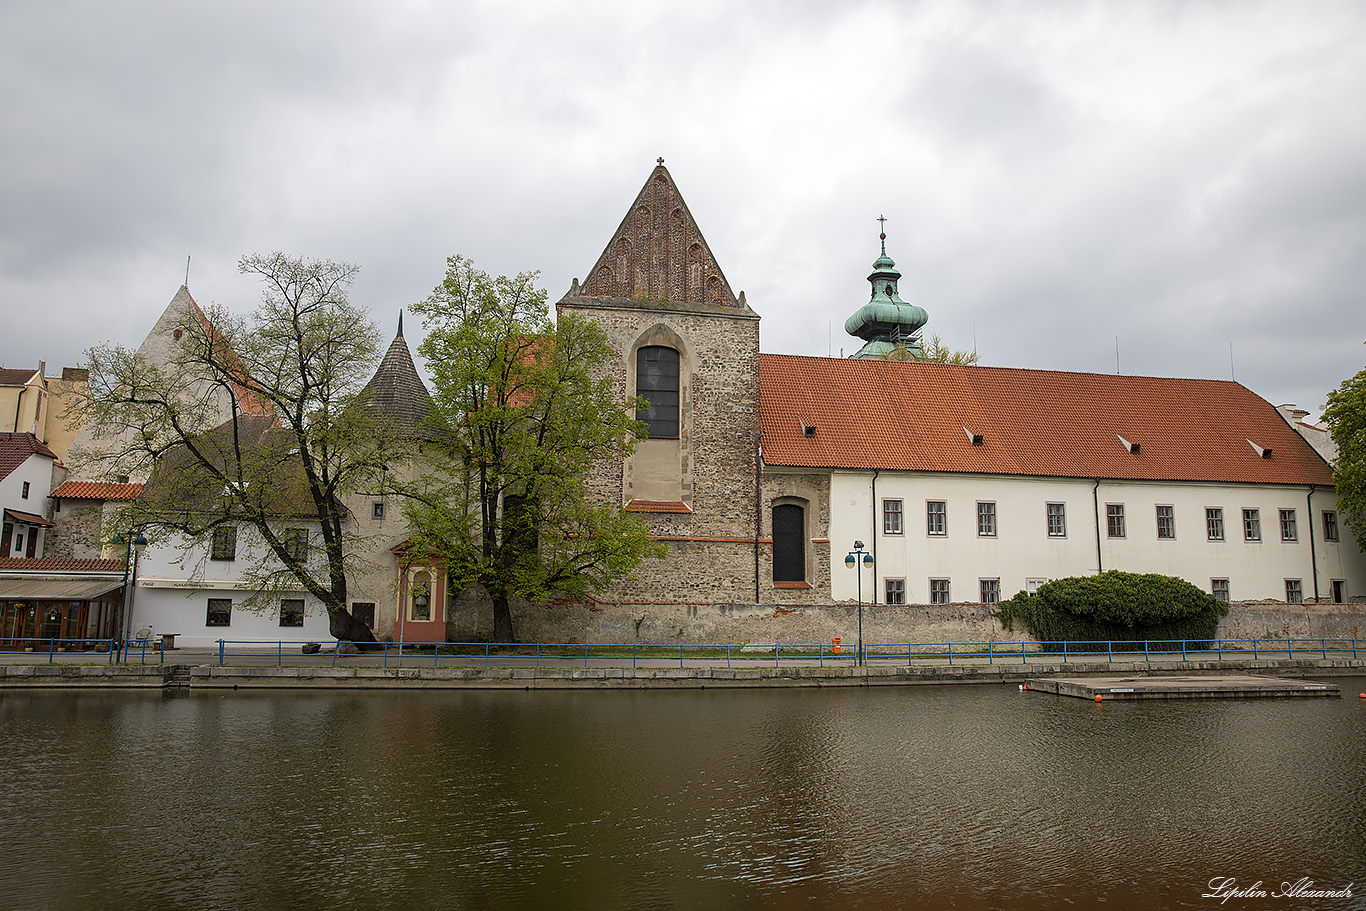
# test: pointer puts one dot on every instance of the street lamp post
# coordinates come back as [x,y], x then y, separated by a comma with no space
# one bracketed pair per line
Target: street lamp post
[857,560]
[136,544]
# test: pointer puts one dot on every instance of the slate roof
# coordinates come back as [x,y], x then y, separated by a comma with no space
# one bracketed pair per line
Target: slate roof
[909,416]
[15,448]
[397,391]
[97,490]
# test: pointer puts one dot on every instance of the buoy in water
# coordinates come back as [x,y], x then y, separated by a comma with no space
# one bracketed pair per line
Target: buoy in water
[1025,686]
[1098,697]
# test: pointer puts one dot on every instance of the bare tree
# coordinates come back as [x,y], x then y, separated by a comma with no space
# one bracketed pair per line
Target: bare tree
[256,421]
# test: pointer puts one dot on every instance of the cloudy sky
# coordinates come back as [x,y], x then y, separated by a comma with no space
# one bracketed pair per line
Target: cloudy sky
[1188,178]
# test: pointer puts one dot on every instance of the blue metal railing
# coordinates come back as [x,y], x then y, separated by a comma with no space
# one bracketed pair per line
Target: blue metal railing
[54,647]
[532,654]
[466,654]
[1125,650]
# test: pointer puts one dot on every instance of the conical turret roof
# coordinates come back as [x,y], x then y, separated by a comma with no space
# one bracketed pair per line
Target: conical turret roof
[398,392]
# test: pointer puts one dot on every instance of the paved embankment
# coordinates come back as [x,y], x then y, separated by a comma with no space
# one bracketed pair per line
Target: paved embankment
[59,676]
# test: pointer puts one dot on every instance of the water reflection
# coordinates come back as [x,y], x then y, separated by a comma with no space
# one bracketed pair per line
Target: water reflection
[935,797]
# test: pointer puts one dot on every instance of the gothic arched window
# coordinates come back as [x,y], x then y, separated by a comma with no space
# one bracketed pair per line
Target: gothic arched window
[789,543]
[657,384]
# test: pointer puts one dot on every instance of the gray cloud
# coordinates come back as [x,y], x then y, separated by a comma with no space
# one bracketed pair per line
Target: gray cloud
[1180,176]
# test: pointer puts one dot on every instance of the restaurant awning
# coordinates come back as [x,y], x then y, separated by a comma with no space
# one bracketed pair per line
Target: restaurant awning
[54,589]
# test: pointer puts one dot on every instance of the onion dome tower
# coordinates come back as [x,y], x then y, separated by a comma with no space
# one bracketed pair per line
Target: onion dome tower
[888,325]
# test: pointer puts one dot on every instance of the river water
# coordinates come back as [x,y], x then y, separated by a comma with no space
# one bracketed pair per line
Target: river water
[897,797]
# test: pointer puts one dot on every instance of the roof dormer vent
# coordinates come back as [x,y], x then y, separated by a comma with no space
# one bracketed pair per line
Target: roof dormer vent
[1132,447]
[1263,451]
[808,429]
[973,438]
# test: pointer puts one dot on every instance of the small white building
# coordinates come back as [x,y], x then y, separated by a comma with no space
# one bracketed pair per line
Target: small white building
[206,591]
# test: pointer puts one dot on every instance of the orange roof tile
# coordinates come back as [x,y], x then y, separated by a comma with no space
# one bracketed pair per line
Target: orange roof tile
[59,564]
[919,417]
[97,490]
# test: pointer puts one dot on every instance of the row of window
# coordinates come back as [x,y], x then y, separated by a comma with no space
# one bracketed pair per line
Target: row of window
[1116,521]
[989,591]
[291,612]
[225,543]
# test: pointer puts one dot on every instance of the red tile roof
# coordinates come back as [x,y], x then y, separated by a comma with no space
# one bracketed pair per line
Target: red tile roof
[60,564]
[97,490]
[673,506]
[918,417]
[15,448]
[27,518]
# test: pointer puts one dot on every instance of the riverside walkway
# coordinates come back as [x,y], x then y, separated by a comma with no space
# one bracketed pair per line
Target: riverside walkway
[277,666]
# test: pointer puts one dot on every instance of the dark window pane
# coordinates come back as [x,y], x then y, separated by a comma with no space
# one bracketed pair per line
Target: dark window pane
[789,544]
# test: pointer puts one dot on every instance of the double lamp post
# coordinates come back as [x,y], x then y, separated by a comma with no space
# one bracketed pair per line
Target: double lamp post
[858,560]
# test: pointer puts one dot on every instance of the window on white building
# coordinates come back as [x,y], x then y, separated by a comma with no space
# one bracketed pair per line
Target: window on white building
[1166,521]
[891,517]
[1057,520]
[936,517]
[220,612]
[1330,525]
[1289,531]
[1219,589]
[1214,523]
[1114,519]
[986,520]
[939,591]
[1294,591]
[1252,525]
[292,612]
[896,591]
[991,591]
[224,543]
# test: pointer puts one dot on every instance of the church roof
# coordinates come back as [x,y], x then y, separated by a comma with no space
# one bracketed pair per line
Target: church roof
[909,416]
[658,258]
[397,391]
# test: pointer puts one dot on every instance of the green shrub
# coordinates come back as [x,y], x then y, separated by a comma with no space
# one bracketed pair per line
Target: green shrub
[1116,606]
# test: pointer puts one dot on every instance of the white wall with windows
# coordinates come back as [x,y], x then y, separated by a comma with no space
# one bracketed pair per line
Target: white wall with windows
[989,534]
[202,591]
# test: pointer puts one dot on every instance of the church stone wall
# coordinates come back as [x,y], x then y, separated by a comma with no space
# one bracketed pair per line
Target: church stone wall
[711,549]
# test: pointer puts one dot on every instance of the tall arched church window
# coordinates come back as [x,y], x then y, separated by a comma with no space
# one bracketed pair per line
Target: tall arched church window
[789,543]
[657,384]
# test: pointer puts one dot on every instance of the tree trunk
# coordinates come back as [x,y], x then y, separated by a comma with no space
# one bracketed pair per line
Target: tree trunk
[346,628]
[502,620]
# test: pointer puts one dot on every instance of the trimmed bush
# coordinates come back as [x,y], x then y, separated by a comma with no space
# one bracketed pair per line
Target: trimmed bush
[1116,606]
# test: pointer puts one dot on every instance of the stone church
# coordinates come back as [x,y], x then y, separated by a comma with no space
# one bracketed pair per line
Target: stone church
[762,472]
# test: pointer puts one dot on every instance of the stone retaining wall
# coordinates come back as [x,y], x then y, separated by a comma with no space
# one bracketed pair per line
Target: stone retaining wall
[767,624]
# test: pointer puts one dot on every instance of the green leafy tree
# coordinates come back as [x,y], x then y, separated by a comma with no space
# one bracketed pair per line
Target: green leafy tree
[1346,418]
[933,351]
[528,408]
[254,421]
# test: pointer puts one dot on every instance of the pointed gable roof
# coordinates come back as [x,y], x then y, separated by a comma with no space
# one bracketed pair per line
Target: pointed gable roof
[398,392]
[15,449]
[659,258]
[865,414]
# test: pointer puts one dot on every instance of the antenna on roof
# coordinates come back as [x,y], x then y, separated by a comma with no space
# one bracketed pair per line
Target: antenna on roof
[1116,355]
[1231,372]
[187,270]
